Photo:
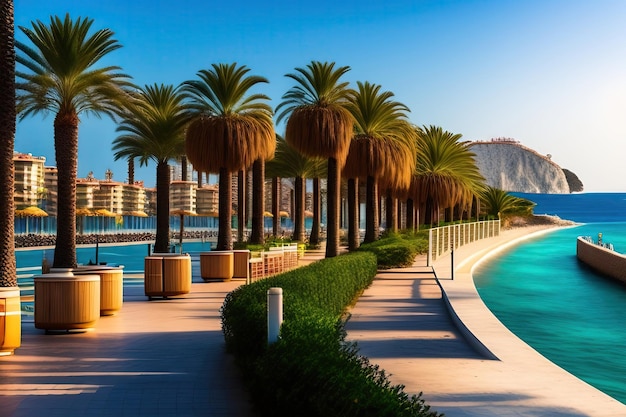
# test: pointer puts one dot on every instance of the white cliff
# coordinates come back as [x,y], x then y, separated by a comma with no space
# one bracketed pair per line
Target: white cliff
[509,166]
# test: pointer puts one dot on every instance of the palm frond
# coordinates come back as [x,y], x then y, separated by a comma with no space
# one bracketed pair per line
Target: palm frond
[383,145]
[58,74]
[445,168]
[231,128]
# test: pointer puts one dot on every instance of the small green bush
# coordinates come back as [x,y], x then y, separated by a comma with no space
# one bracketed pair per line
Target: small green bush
[311,370]
[397,250]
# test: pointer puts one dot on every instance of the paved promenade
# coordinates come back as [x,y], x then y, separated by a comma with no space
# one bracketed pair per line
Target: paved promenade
[154,358]
[401,323]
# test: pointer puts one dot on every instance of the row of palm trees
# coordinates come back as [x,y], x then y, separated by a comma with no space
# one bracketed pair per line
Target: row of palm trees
[332,131]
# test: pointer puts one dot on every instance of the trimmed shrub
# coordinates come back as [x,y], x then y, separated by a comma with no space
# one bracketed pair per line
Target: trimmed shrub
[311,370]
[397,251]
[329,285]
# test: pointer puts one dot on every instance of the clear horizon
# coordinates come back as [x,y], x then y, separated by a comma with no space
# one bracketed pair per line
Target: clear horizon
[550,74]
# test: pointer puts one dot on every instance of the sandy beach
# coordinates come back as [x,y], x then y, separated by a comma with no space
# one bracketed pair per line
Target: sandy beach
[461,357]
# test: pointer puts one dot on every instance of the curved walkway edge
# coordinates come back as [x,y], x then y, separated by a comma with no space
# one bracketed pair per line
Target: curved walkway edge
[434,335]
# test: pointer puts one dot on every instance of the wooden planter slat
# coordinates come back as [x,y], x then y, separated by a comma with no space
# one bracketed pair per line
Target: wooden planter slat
[166,276]
[177,275]
[153,275]
[111,287]
[67,302]
[240,263]
[10,320]
[217,265]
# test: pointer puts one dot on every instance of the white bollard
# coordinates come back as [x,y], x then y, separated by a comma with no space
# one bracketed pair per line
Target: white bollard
[274,313]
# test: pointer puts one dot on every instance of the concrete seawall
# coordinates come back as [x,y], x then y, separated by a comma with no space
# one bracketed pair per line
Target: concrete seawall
[601,259]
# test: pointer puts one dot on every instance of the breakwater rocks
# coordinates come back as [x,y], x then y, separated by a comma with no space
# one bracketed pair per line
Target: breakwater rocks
[35,240]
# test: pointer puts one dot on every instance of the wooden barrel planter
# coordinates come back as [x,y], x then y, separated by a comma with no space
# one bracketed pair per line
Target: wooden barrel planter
[241,264]
[64,301]
[10,320]
[167,275]
[217,265]
[111,287]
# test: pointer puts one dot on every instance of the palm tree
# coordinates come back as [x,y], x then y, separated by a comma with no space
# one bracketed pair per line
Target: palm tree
[500,204]
[382,149]
[289,163]
[61,77]
[10,321]
[320,126]
[154,130]
[8,277]
[231,130]
[446,173]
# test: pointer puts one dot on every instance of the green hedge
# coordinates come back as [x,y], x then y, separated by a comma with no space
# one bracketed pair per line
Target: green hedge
[311,370]
[397,250]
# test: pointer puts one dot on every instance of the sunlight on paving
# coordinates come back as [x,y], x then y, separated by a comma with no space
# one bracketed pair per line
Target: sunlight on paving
[82,374]
[47,389]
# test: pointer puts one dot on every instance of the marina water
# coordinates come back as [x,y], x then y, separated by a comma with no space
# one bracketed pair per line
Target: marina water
[568,313]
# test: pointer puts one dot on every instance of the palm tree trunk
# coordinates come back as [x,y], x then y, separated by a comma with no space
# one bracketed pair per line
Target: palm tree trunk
[131,170]
[66,154]
[410,215]
[224,233]
[258,201]
[161,244]
[248,195]
[183,168]
[371,211]
[332,215]
[276,206]
[314,239]
[448,214]
[353,214]
[199,179]
[391,212]
[428,211]
[299,233]
[399,213]
[8,277]
[241,205]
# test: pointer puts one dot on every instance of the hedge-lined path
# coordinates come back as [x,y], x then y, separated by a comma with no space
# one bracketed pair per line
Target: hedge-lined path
[154,358]
[401,323]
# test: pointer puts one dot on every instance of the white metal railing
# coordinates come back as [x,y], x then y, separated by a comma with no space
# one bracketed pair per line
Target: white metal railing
[442,240]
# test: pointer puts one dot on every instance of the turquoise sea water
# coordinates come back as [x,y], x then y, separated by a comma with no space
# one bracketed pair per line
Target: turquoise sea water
[567,312]
[130,255]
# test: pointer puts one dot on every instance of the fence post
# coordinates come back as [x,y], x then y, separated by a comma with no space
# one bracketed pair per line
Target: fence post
[274,313]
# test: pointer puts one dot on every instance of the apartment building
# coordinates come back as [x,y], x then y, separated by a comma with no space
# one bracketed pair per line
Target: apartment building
[50,181]
[207,200]
[36,185]
[183,195]
[86,191]
[116,197]
[29,188]
[134,198]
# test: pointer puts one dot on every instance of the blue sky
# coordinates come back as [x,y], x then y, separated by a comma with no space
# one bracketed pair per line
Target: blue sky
[549,73]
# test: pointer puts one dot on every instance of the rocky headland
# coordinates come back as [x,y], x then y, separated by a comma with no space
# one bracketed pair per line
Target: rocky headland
[507,165]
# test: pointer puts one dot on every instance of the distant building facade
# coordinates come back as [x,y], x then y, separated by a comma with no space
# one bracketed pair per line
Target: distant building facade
[50,180]
[36,185]
[29,188]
